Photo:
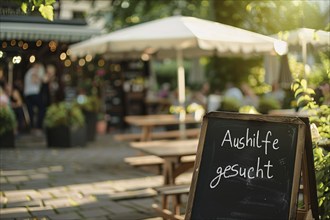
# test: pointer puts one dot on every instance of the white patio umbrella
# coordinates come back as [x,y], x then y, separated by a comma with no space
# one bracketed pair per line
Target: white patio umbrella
[302,37]
[179,36]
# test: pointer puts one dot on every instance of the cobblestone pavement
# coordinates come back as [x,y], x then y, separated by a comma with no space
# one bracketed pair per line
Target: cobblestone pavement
[90,182]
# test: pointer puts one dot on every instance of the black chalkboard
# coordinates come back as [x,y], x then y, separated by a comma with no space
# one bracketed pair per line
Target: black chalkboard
[247,167]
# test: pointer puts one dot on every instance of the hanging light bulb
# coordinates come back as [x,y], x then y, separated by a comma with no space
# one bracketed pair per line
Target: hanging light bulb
[67,63]
[38,43]
[82,62]
[17,59]
[25,46]
[32,59]
[63,56]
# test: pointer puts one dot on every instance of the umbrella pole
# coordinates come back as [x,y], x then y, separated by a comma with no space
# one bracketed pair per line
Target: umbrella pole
[182,95]
[304,56]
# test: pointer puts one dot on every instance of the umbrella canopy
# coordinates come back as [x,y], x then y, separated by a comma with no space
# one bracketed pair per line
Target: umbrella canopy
[164,37]
[317,38]
[302,37]
[179,37]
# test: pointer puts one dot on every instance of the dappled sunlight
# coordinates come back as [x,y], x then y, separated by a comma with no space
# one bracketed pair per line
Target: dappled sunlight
[76,183]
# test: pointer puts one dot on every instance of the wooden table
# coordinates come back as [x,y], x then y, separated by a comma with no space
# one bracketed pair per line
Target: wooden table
[147,122]
[172,152]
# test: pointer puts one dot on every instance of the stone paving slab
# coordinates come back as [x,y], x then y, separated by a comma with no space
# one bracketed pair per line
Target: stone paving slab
[89,182]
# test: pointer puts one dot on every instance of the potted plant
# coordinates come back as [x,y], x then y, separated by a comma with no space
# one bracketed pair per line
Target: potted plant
[90,106]
[267,104]
[230,104]
[7,126]
[65,125]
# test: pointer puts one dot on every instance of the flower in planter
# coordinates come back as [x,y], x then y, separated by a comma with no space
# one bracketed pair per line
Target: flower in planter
[197,110]
[176,109]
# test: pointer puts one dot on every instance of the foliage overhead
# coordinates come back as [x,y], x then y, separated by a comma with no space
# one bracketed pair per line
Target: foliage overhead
[45,7]
[265,17]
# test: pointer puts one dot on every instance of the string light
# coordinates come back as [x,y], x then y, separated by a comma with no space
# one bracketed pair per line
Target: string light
[100,63]
[38,43]
[67,63]
[68,52]
[32,59]
[20,43]
[63,56]
[13,42]
[88,58]
[145,57]
[81,62]
[4,44]
[17,59]
[117,68]
[52,46]
[1,54]
[25,46]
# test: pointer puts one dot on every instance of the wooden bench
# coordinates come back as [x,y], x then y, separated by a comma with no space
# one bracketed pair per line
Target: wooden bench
[190,133]
[174,191]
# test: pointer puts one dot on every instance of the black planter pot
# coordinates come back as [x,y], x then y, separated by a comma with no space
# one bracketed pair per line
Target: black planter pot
[90,121]
[7,140]
[64,136]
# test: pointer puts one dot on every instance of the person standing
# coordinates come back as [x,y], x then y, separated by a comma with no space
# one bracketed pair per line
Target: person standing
[32,85]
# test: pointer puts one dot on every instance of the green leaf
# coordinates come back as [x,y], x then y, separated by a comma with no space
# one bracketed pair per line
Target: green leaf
[24,7]
[304,83]
[49,2]
[37,3]
[298,91]
[304,98]
[310,91]
[47,12]
[294,86]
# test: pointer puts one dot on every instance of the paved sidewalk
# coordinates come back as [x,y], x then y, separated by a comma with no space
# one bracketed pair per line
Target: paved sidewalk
[89,182]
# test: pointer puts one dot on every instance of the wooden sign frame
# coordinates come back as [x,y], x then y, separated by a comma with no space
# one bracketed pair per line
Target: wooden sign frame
[302,159]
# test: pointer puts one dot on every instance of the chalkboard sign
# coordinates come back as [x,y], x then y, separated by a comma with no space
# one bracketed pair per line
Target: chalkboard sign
[247,167]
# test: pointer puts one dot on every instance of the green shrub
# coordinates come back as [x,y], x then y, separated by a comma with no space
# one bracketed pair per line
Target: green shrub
[319,115]
[230,105]
[267,104]
[89,103]
[248,109]
[7,119]
[64,114]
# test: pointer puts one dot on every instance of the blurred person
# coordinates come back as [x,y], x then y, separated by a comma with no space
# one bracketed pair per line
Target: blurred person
[233,92]
[201,96]
[164,91]
[49,86]
[32,87]
[249,97]
[2,75]
[16,103]
[322,94]
[4,99]
[277,93]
